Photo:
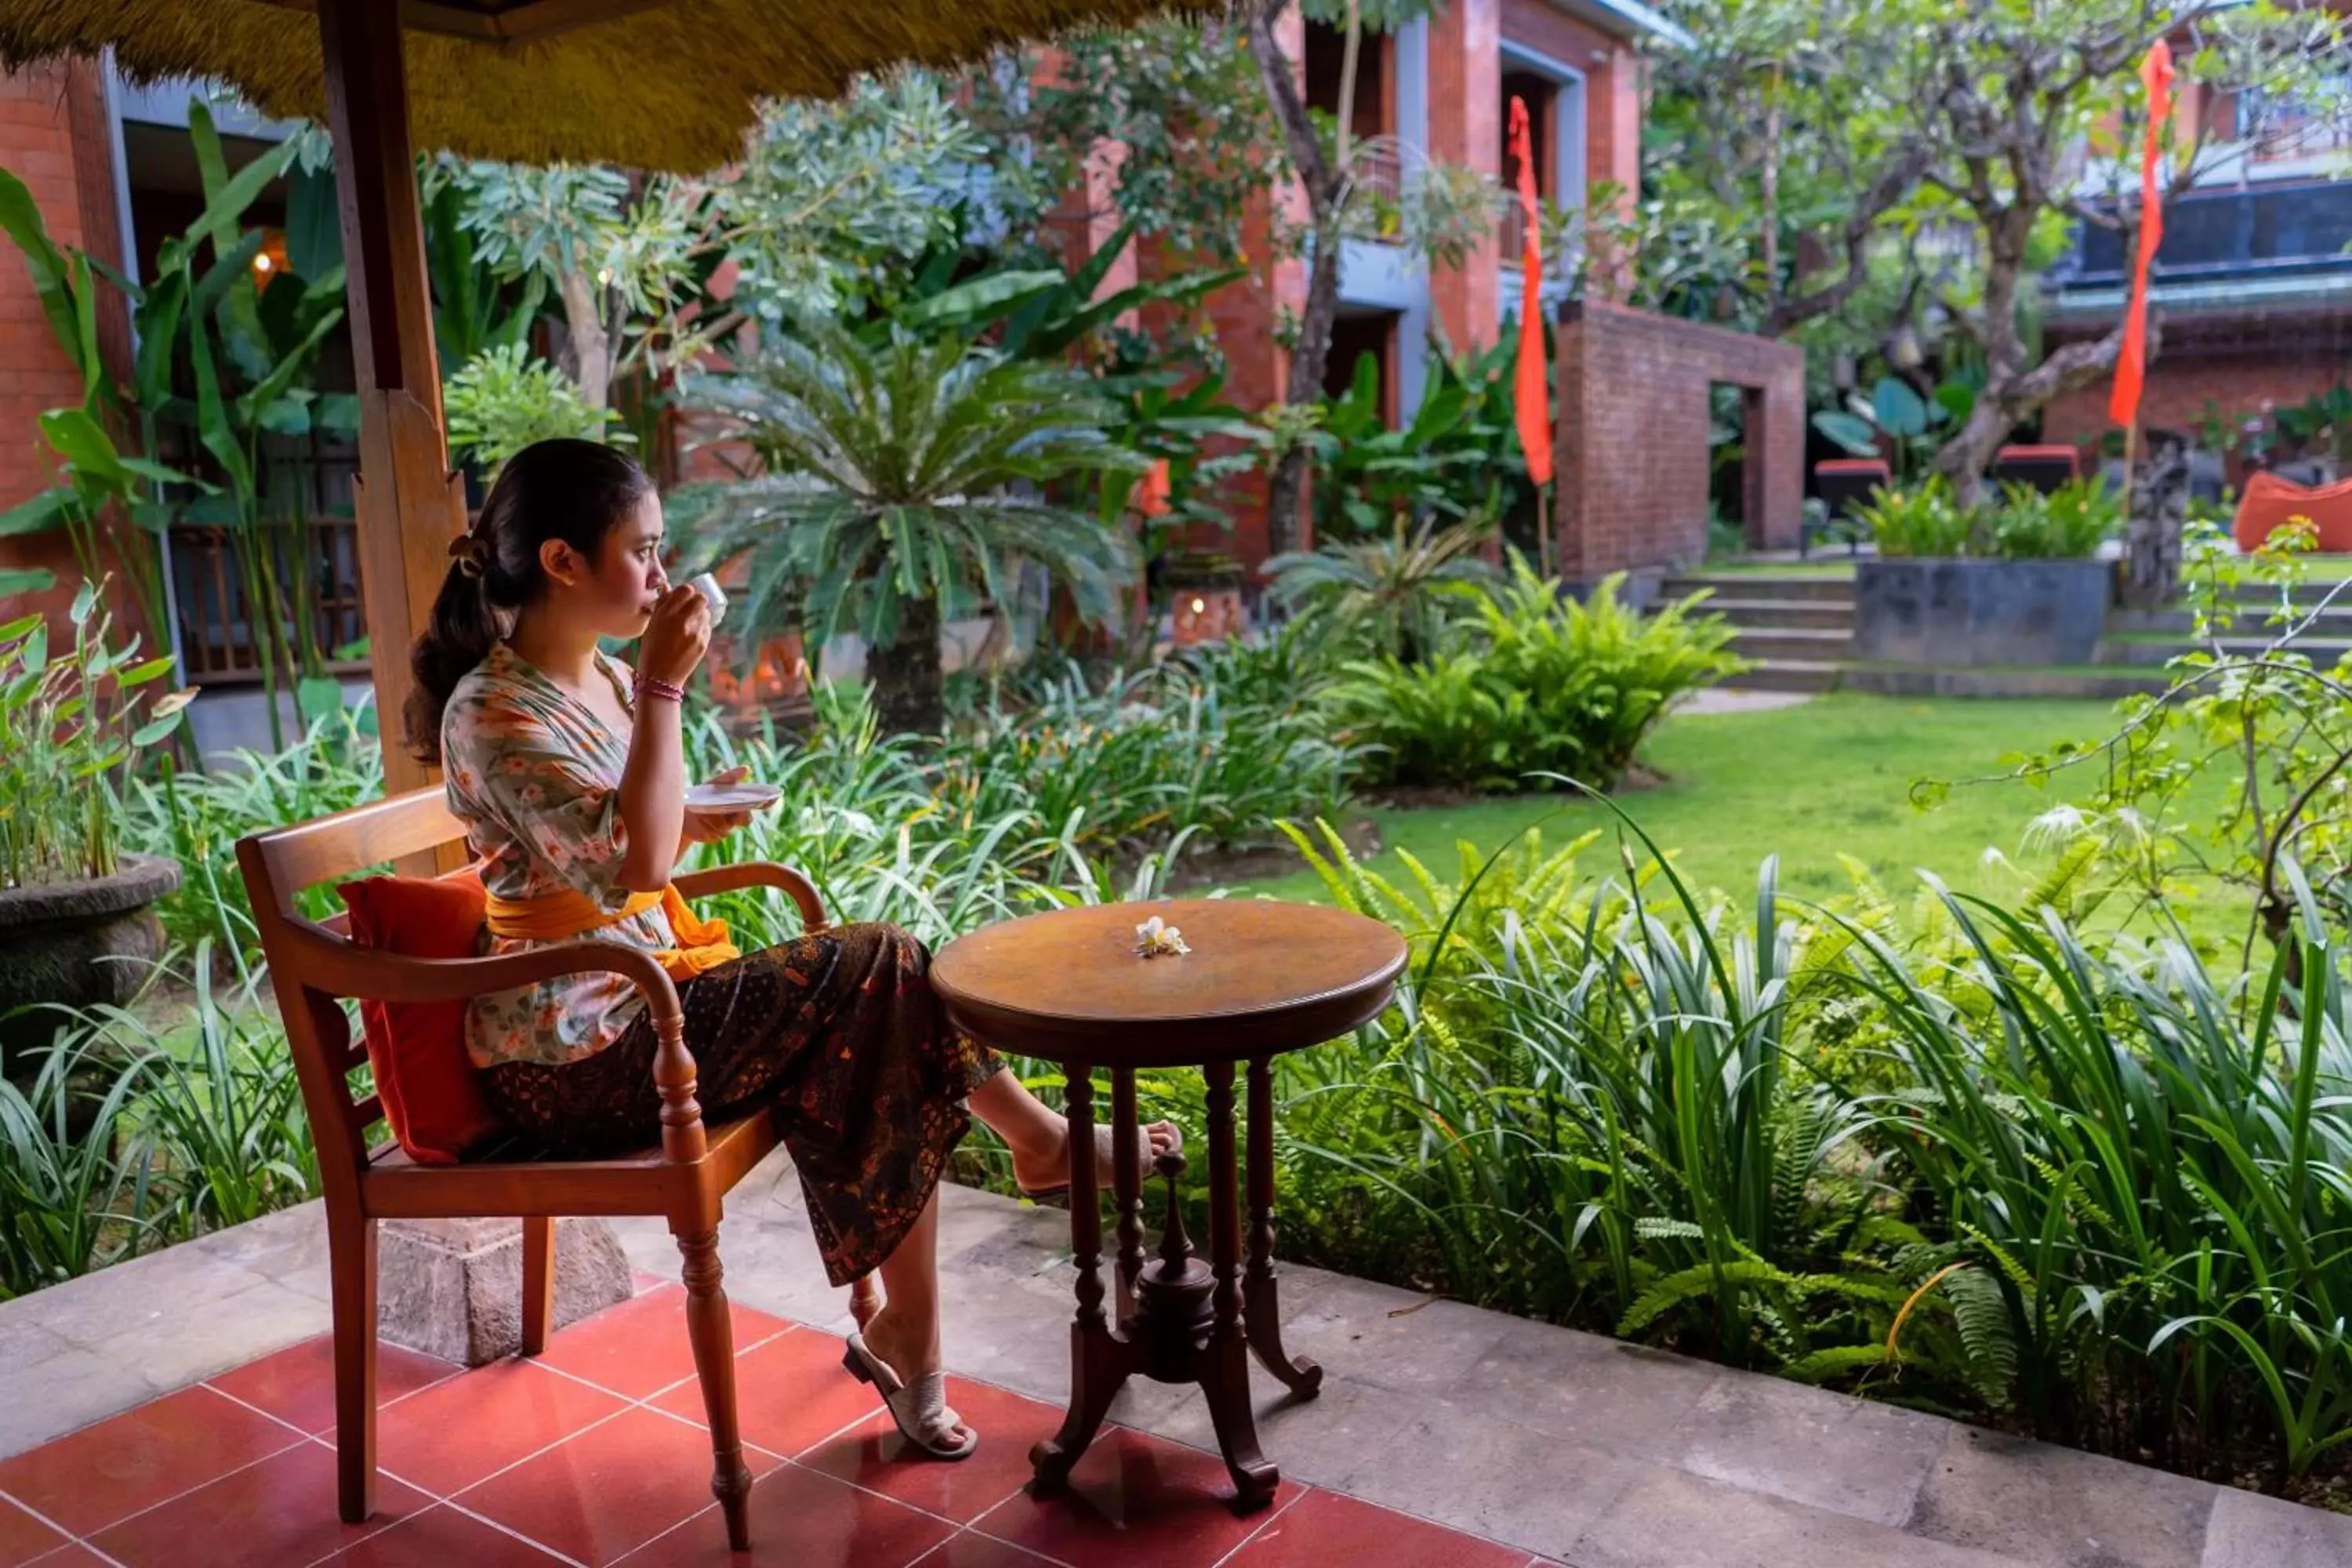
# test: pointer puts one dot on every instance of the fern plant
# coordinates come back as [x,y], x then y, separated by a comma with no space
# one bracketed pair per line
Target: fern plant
[1535,687]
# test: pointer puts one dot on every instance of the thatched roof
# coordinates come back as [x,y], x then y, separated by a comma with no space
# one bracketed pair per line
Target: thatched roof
[654,84]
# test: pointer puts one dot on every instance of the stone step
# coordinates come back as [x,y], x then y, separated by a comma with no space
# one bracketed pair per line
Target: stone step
[1787,675]
[1782,585]
[2336,620]
[1804,644]
[2144,649]
[1998,680]
[1792,615]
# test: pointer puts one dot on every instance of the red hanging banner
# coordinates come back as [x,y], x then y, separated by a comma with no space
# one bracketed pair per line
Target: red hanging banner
[2131,364]
[1531,389]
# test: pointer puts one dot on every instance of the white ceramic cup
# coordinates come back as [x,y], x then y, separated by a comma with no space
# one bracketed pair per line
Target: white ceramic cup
[715,596]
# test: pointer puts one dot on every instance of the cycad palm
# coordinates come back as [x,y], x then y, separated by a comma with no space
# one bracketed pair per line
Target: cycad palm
[1400,591]
[887,502]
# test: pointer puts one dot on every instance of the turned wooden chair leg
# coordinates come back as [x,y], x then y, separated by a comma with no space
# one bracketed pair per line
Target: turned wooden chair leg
[712,1332]
[538,1282]
[350,1253]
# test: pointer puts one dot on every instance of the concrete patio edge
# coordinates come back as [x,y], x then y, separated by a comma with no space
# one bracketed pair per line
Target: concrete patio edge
[1583,1450]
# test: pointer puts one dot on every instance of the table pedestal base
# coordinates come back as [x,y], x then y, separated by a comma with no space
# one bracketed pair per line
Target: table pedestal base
[1179,1319]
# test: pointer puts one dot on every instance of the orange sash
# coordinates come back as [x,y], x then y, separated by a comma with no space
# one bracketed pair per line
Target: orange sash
[702,943]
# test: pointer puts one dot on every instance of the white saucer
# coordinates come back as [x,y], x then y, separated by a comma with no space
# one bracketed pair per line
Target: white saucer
[744,796]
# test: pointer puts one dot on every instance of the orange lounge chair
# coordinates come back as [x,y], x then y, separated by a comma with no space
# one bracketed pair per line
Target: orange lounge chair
[2270,503]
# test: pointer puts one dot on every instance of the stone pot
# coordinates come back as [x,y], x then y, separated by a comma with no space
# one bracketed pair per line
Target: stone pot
[83,943]
[1963,612]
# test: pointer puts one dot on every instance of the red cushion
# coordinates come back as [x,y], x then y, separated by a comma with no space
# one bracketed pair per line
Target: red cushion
[432,1094]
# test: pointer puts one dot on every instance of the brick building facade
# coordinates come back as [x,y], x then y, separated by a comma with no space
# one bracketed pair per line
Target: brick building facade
[57,134]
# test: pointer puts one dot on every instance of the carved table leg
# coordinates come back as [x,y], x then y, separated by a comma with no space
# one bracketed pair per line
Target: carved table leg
[1224,1367]
[1095,1375]
[1301,1376]
[1127,1188]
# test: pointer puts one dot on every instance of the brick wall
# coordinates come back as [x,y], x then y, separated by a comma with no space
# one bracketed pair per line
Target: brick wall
[53,136]
[2179,387]
[1630,391]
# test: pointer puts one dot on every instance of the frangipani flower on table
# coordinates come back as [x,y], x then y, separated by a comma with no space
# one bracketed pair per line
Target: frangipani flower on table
[1155,937]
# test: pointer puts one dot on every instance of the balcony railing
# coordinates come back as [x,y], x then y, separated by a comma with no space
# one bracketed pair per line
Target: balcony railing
[2258,232]
[1379,171]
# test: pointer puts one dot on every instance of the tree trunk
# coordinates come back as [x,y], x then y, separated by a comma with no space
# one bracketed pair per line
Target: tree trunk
[588,345]
[908,685]
[1324,186]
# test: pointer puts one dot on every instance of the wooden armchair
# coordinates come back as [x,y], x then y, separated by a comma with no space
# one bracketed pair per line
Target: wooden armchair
[314,963]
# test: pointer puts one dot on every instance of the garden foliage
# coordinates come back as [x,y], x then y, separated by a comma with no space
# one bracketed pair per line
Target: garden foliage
[1533,685]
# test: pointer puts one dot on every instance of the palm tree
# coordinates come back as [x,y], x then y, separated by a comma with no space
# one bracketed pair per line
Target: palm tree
[902,477]
[1398,593]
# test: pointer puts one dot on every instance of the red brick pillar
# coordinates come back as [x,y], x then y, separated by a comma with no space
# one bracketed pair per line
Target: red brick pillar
[1465,127]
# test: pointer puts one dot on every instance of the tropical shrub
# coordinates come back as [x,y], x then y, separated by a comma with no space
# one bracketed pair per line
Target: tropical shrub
[2093,1194]
[196,818]
[69,725]
[134,1132]
[1923,521]
[2068,524]
[1533,688]
[504,399]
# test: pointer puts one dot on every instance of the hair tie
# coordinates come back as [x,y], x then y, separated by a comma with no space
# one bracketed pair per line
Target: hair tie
[471,551]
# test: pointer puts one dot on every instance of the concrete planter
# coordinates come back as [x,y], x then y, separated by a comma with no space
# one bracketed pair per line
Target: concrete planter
[66,942]
[1960,612]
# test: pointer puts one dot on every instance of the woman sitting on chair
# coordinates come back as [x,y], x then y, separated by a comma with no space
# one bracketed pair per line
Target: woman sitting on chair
[569,774]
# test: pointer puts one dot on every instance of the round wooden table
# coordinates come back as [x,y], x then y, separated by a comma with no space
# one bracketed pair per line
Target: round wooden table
[1262,978]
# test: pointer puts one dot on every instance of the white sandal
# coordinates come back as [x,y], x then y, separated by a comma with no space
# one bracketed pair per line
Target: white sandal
[921,1410]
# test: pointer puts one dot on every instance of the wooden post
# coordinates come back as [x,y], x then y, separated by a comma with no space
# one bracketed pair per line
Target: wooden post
[409,504]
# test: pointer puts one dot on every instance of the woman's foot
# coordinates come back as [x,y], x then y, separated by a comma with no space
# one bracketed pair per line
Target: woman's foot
[1042,1172]
[910,1353]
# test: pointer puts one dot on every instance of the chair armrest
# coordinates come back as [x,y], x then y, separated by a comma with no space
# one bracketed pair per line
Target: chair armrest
[339,968]
[342,968]
[758,874]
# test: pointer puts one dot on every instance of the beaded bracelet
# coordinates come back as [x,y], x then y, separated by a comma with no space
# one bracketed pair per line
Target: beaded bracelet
[650,685]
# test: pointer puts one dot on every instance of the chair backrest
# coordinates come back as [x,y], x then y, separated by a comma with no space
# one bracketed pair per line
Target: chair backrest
[278,865]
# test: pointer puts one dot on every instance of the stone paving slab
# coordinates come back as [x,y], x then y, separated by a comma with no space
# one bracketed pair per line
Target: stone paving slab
[1573,1448]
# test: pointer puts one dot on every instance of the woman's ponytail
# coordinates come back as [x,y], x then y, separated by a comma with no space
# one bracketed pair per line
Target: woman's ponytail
[566,489]
[461,633]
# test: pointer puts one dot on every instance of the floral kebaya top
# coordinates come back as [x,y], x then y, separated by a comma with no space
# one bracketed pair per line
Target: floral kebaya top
[536,778]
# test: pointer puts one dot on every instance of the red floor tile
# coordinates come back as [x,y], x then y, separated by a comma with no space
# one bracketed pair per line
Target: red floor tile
[443,1538]
[135,1460]
[789,1392]
[610,1489]
[281,1510]
[969,1551]
[1134,1501]
[298,1384]
[639,1348]
[874,1456]
[807,1521]
[462,1431]
[1324,1527]
[75,1556]
[23,1537]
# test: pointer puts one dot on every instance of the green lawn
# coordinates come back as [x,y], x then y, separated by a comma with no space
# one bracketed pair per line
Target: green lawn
[1811,783]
